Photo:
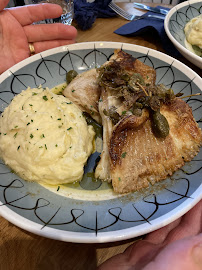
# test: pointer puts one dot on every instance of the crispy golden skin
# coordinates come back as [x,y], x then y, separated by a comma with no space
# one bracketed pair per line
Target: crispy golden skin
[138,158]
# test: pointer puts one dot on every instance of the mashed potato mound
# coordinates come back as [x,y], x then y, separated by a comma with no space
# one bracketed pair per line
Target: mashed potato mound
[193,31]
[45,138]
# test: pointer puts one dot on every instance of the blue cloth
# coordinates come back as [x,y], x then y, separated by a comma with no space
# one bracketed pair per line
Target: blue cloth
[146,25]
[86,13]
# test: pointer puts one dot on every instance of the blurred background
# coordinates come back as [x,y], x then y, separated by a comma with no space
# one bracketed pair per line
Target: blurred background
[13,3]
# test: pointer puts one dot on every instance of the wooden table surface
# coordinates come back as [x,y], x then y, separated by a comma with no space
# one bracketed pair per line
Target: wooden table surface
[21,250]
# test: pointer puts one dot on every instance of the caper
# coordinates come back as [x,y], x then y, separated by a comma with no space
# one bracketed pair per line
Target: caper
[154,103]
[132,83]
[71,75]
[141,100]
[138,105]
[114,116]
[137,112]
[160,124]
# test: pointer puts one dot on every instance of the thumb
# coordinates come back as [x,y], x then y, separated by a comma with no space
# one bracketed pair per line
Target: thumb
[183,254]
[3,4]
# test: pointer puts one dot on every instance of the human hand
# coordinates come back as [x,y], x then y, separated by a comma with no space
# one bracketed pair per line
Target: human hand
[176,246]
[17,31]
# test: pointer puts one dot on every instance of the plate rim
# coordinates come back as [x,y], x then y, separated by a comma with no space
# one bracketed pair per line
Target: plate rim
[99,44]
[103,237]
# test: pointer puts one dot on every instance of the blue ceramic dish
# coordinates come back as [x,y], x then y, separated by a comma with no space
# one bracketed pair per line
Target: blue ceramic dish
[174,24]
[90,212]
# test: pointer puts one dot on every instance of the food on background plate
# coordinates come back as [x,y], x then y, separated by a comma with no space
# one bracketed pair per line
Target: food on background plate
[45,138]
[148,131]
[193,34]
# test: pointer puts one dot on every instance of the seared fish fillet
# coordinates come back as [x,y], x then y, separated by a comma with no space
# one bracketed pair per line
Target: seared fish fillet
[132,156]
[138,158]
[109,99]
[84,91]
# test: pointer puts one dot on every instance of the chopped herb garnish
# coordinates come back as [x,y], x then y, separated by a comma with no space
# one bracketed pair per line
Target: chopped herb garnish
[46,146]
[123,112]
[16,126]
[45,98]
[18,147]
[42,136]
[28,124]
[119,179]
[31,136]
[59,119]
[69,128]
[123,155]
[30,105]
[59,126]
[56,145]
[100,100]
[34,94]
[58,188]
[40,146]
[5,133]
[32,120]
[15,135]
[73,91]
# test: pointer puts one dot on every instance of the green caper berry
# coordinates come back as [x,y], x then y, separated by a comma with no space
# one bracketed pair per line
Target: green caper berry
[71,75]
[160,125]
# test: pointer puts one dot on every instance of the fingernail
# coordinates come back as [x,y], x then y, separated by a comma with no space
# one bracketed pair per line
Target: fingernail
[197,254]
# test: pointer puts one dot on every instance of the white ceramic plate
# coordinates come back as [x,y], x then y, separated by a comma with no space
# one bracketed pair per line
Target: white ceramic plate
[91,212]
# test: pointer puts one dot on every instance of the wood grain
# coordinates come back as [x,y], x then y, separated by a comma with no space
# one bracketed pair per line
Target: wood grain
[20,250]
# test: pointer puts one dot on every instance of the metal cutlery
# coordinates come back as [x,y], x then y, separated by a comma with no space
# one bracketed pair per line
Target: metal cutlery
[153,9]
[131,17]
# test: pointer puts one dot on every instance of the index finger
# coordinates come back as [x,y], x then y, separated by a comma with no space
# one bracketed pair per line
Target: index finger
[32,13]
[3,4]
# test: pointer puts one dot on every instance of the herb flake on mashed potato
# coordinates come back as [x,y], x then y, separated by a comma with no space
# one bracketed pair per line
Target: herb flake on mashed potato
[45,138]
